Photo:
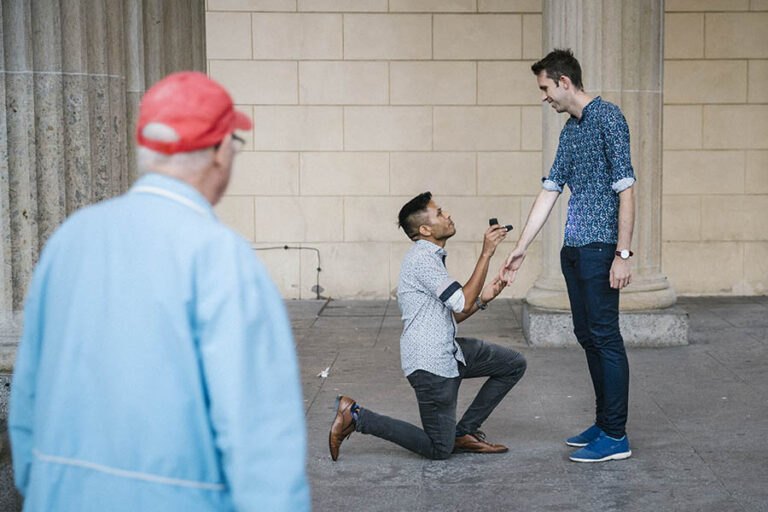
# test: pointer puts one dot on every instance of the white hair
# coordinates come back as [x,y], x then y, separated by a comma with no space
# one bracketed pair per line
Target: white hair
[188,163]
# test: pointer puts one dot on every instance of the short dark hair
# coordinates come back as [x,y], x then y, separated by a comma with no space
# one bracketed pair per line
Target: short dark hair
[408,218]
[558,63]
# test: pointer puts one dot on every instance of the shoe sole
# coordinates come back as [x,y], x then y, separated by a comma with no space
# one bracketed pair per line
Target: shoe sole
[335,413]
[615,456]
[576,445]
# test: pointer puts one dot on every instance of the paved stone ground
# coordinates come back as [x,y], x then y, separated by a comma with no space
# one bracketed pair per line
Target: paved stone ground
[698,418]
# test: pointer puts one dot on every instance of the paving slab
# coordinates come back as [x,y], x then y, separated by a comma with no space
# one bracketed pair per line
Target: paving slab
[698,419]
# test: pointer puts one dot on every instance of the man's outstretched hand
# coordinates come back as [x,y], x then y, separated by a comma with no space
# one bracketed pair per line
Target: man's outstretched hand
[508,270]
[492,290]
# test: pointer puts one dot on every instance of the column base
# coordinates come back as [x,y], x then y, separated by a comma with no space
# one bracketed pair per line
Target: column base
[641,328]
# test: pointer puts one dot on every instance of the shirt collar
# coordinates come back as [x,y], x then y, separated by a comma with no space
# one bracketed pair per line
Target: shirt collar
[176,187]
[589,107]
[440,251]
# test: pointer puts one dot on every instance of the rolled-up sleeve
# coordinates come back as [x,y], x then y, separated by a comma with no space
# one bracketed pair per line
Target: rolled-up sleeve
[558,173]
[251,375]
[617,149]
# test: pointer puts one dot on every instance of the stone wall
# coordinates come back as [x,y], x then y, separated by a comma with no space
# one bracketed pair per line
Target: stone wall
[716,147]
[359,105]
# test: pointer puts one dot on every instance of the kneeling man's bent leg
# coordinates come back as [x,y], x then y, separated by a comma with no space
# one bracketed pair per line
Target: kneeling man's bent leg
[437,405]
[504,367]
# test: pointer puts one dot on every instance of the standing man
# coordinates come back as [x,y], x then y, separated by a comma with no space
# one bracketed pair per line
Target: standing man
[593,159]
[433,359]
[156,369]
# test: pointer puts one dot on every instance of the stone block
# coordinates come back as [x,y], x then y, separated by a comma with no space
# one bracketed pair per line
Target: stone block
[387,128]
[756,181]
[298,128]
[706,5]
[343,5]
[441,173]
[703,268]
[251,5]
[532,37]
[432,5]
[343,83]
[757,83]
[477,36]
[471,214]
[506,83]
[265,174]
[681,218]
[284,266]
[735,126]
[237,213]
[716,81]
[530,132]
[683,35]
[298,219]
[737,217]
[246,135]
[433,83]
[755,268]
[682,126]
[350,270]
[387,36]
[333,174]
[297,36]
[736,35]
[650,328]
[477,128]
[703,172]
[758,5]
[372,219]
[509,174]
[257,83]
[227,35]
[509,6]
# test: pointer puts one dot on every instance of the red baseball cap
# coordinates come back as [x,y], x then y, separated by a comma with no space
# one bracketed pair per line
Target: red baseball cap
[197,108]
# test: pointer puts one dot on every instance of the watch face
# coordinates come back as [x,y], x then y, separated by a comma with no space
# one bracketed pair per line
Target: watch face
[624,254]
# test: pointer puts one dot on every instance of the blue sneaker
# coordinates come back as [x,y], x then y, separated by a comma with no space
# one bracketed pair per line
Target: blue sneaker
[585,437]
[602,449]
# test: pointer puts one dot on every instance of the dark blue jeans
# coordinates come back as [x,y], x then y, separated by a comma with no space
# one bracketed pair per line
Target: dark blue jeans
[437,400]
[595,310]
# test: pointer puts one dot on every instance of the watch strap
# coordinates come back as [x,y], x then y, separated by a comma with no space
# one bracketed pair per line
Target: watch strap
[480,303]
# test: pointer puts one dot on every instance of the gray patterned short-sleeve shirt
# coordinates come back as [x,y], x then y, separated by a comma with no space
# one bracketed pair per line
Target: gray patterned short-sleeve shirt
[428,296]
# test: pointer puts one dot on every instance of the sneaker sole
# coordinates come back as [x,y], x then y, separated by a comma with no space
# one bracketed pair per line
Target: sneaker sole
[615,456]
[576,445]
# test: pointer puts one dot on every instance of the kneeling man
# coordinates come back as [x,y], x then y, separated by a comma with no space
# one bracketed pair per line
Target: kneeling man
[434,360]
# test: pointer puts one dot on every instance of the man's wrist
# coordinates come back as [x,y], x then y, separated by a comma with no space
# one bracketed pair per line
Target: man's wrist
[480,304]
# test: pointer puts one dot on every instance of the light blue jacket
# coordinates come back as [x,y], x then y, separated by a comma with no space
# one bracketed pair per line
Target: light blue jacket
[156,369]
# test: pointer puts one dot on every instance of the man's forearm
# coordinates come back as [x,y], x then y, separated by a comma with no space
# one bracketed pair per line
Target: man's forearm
[537,217]
[474,286]
[626,218]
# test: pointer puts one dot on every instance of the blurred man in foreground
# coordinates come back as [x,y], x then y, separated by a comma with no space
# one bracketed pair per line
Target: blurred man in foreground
[156,369]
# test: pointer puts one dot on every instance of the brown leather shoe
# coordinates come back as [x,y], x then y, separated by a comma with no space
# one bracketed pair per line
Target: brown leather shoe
[475,443]
[343,425]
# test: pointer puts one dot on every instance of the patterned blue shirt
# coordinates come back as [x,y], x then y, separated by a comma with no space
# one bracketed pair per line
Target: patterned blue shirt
[593,159]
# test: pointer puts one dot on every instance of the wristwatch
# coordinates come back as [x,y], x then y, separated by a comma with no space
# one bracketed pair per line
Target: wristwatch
[480,304]
[624,254]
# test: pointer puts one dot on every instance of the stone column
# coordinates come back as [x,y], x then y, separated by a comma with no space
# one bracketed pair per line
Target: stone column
[619,44]
[72,73]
